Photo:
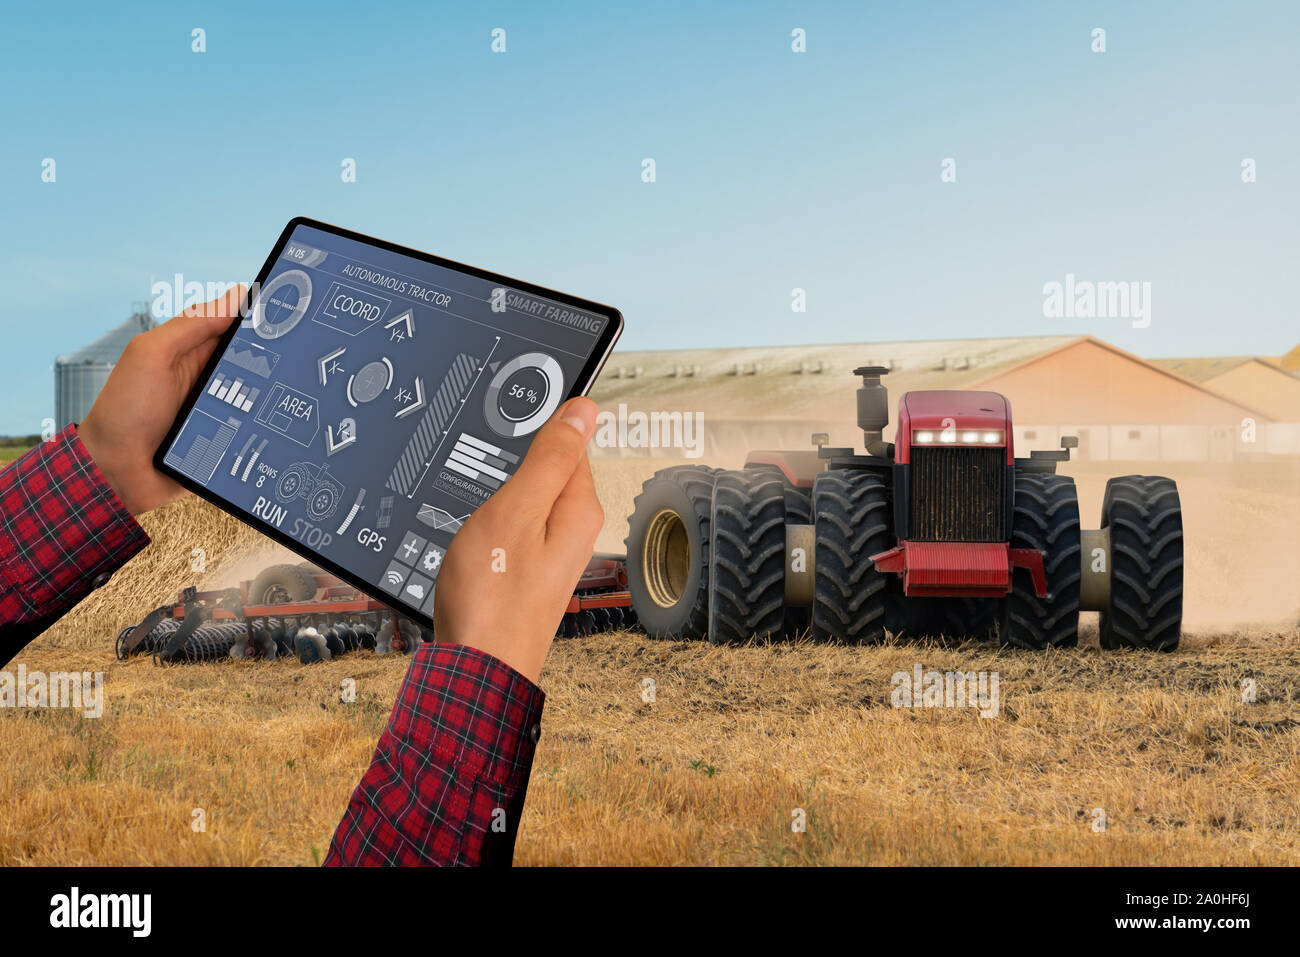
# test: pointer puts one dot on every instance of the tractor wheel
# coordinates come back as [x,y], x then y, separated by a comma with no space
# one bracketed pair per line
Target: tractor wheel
[291,483]
[281,584]
[324,500]
[668,552]
[853,517]
[1046,518]
[1145,519]
[747,567]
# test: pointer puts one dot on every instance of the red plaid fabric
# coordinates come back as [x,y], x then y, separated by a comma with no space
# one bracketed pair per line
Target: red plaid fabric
[449,776]
[63,532]
[448,779]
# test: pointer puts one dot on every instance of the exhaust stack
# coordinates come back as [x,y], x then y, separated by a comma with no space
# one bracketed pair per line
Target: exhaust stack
[873,408]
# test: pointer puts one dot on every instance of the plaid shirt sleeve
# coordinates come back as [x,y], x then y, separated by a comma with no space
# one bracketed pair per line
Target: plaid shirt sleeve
[63,532]
[448,779]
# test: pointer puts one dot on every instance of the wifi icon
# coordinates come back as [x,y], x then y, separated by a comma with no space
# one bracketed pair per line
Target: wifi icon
[395,578]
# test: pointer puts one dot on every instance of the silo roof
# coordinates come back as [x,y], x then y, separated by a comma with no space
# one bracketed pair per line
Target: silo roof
[109,346]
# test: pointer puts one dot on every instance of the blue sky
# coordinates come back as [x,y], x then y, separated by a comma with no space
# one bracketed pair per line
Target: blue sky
[775,170]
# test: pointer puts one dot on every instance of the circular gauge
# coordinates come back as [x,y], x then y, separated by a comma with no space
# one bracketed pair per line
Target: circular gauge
[373,379]
[281,304]
[523,394]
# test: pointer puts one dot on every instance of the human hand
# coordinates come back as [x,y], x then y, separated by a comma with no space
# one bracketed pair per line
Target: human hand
[142,396]
[509,573]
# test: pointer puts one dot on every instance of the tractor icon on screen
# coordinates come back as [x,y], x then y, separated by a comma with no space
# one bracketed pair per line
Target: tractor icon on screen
[313,483]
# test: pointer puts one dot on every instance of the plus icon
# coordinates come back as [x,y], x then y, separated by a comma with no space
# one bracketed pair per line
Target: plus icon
[410,551]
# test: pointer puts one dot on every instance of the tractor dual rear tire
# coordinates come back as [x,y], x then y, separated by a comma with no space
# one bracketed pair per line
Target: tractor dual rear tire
[747,552]
[1145,518]
[1046,518]
[852,511]
[668,552]
[798,511]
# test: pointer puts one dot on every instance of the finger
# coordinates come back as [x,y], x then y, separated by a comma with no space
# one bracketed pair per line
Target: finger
[551,459]
[576,518]
[201,323]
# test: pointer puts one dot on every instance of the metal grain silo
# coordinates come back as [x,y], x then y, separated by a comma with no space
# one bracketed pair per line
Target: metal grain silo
[78,376]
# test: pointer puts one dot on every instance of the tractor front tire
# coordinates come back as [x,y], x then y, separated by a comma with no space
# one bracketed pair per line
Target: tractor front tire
[1145,518]
[747,556]
[852,512]
[668,552]
[1047,519]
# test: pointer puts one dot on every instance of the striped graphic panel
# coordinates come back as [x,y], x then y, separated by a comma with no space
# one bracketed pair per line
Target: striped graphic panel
[437,417]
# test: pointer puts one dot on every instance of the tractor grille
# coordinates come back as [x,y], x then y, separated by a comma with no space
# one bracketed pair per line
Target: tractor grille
[957,494]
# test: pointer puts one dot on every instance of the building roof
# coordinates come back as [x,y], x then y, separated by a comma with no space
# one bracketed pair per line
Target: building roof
[1151,365]
[1255,381]
[907,355]
[1205,368]
[807,379]
[108,347]
[815,380]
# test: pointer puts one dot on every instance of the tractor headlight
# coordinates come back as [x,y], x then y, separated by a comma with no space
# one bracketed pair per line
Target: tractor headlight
[953,437]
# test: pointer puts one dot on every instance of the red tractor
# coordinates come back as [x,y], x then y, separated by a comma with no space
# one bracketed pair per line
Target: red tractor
[942,532]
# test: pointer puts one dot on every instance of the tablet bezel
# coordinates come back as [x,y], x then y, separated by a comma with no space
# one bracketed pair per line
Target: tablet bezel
[581,386]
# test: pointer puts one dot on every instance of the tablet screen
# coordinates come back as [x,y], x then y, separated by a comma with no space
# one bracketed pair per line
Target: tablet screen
[371,400]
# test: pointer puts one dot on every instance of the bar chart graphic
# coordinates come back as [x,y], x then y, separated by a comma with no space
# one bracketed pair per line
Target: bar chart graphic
[234,391]
[481,461]
[202,442]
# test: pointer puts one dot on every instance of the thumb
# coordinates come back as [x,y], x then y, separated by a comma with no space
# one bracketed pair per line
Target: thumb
[551,459]
[200,323]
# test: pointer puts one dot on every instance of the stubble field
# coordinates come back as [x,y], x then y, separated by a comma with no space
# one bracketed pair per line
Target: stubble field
[737,744]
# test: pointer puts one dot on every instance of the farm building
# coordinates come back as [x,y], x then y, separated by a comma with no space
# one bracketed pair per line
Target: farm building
[1291,361]
[1254,381]
[1258,382]
[1120,405]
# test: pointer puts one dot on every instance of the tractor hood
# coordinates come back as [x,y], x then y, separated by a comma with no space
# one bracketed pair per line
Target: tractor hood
[952,417]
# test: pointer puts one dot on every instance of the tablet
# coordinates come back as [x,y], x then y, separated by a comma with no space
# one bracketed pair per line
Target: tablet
[373,397]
